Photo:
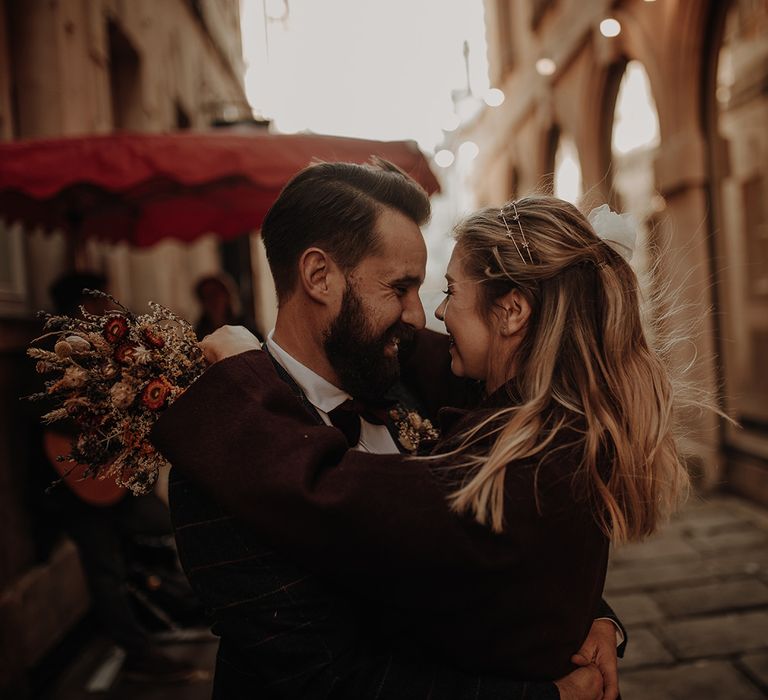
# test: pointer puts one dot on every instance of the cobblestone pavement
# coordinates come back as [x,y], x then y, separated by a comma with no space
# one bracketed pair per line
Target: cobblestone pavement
[694,599]
[91,669]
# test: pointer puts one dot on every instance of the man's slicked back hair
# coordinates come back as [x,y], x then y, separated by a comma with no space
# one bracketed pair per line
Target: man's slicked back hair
[335,207]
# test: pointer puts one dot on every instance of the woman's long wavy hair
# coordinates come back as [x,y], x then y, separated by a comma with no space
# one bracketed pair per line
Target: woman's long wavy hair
[584,363]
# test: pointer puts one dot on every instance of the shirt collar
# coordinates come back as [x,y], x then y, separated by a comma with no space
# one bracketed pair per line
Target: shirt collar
[323,395]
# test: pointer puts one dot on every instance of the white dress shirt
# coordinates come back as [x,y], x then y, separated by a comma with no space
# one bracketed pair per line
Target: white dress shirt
[324,396]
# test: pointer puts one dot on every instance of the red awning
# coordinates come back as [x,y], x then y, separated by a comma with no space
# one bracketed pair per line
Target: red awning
[143,188]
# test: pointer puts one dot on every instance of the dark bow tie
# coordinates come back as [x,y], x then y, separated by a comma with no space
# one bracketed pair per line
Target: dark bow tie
[346,417]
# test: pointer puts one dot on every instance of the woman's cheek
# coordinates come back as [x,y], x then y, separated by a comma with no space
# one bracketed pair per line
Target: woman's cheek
[456,365]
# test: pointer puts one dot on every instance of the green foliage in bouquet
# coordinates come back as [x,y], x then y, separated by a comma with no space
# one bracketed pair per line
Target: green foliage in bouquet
[112,375]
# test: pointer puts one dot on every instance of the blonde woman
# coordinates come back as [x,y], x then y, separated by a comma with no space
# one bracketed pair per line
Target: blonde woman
[543,310]
[493,547]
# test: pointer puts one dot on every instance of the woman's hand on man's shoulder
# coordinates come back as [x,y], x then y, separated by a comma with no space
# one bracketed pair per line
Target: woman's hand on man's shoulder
[228,341]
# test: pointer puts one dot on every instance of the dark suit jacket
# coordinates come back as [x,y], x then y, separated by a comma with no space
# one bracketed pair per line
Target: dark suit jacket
[381,526]
[284,634]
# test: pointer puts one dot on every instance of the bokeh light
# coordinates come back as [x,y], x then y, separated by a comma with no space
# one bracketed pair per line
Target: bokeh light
[468,150]
[494,97]
[610,27]
[451,122]
[444,158]
[545,66]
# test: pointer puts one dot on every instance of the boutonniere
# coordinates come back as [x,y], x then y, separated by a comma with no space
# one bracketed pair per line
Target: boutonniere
[412,428]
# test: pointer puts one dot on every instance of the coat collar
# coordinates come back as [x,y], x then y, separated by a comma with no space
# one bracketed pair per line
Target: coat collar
[451,419]
[323,395]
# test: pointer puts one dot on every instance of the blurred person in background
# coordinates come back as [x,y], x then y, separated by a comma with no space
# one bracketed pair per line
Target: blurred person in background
[220,304]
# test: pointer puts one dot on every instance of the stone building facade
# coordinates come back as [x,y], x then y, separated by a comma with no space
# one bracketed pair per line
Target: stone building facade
[72,68]
[698,184]
[78,67]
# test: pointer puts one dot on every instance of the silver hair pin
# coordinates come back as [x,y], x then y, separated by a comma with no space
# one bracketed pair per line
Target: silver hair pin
[510,235]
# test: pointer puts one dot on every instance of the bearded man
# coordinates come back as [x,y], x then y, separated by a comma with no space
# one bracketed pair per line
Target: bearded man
[347,257]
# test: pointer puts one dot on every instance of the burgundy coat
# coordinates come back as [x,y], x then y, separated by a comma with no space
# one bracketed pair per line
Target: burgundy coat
[518,603]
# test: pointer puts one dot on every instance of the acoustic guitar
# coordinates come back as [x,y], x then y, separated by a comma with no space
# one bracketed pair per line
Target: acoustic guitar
[94,492]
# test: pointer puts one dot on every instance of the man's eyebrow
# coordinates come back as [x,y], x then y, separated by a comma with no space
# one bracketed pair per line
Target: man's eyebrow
[407,280]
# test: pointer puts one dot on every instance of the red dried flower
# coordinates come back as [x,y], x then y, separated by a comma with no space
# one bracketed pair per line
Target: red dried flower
[153,338]
[125,353]
[115,328]
[156,393]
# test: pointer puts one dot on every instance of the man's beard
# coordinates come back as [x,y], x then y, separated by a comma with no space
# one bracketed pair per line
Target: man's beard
[357,354]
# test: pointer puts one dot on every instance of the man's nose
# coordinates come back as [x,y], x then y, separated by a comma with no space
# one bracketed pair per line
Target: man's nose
[413,312]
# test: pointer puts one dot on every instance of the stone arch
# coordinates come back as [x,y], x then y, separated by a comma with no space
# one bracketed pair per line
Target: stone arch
[667,44]
[601,90]
[685,58]
[604,91]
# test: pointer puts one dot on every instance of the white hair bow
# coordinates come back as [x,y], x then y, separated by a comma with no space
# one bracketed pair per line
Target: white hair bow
[618,230]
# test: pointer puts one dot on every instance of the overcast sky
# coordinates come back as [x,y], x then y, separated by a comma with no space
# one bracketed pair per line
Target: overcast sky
[380,69]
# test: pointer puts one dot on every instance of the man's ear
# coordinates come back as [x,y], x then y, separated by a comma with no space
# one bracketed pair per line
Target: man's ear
[319,275]
[513,311]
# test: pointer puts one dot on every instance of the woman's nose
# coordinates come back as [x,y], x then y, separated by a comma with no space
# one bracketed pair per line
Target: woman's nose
[440,310]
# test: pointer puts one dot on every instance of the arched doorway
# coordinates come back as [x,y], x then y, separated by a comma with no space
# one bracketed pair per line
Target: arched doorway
[736,118]
[567,180]
[634,141]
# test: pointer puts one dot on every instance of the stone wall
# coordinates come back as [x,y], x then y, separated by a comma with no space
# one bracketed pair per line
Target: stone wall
[91,67]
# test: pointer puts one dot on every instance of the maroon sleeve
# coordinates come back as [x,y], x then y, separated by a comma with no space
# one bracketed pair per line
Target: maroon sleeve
[241,434]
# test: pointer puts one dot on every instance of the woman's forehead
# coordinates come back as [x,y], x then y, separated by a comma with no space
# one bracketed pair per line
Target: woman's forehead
[456,268]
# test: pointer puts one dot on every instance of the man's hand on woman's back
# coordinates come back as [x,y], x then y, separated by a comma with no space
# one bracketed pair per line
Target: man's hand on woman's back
[599,649]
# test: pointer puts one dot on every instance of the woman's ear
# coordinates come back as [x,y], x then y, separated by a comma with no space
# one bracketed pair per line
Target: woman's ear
[319,275]
[513,312]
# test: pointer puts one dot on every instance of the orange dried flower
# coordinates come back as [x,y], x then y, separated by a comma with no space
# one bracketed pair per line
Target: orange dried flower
[125,353]
[115,328]
[153,338]
[156,393]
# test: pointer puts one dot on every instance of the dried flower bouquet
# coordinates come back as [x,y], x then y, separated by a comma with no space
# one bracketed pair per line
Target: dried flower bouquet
[112,375]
